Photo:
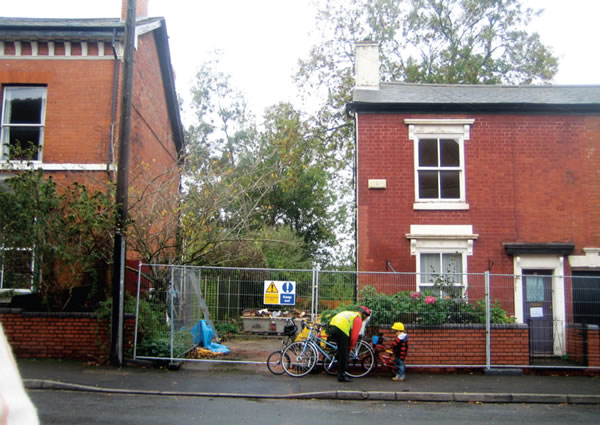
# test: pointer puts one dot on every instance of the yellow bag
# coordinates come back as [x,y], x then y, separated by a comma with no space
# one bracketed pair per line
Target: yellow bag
[302,335]
[323,335]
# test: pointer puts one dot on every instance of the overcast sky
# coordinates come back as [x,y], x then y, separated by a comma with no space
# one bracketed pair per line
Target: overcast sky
[262,40]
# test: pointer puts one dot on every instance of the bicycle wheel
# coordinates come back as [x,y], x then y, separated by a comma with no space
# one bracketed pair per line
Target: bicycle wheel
[330,364]
[362,360]
[275,363]
[299,358]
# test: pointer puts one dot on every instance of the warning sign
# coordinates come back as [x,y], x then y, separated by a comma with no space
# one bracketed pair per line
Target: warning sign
[280,292]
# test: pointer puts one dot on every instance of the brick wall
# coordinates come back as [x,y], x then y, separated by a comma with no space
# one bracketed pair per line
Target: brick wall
[78,110]
[575,345]
[583,344]
[79,114]
[464,345]
[75,336]
[523,172]
[593,345]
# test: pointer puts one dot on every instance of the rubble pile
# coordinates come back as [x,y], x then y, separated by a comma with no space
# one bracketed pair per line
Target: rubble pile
[292,314]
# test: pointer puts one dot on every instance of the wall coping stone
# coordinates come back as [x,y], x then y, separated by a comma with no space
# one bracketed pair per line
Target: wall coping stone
[64,314]
[462,326]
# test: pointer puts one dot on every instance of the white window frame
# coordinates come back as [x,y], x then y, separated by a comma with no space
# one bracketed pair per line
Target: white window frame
[428,285]
[6,126]
[441,239]
[455,129]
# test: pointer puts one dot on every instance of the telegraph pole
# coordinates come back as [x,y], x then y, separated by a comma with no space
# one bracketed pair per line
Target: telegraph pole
[118,272]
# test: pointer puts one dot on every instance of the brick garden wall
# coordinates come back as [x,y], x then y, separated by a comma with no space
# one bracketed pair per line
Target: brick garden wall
[584,344]
[464,345]
[75,336]
[80,336]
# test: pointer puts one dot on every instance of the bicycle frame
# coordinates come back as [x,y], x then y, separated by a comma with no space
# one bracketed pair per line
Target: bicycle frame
[318,343]
[384,357]
[327,354]
[275,359]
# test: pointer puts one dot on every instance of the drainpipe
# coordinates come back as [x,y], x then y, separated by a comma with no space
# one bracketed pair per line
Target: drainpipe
[355,190]
[488,321]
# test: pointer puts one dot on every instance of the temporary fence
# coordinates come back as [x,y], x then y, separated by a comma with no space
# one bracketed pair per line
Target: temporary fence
[464,320]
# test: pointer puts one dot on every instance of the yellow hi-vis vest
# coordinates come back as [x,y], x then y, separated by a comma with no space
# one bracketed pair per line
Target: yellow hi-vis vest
[344,321]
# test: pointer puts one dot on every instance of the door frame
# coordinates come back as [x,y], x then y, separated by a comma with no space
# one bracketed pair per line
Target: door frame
[555,264]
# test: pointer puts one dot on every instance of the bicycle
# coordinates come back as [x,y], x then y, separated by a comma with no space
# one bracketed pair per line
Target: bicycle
[301,357]
[384,357]
[274,361]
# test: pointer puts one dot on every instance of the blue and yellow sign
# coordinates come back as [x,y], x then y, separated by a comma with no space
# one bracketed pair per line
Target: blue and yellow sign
[280,292]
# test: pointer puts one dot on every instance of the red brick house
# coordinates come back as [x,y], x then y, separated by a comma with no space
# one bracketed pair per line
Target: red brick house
[467,179]
[61,85]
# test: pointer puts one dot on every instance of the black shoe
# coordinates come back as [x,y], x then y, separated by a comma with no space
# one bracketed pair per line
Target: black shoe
[344,379]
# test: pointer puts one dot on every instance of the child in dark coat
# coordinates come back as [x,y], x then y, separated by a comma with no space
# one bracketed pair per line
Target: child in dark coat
[400,348]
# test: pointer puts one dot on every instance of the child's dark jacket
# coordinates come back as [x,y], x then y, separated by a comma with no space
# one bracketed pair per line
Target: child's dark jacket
[400,345]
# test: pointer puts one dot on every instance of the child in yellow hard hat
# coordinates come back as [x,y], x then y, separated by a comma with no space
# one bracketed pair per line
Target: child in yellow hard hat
[400,348]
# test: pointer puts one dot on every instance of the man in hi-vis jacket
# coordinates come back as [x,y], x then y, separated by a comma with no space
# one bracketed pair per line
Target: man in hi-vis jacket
[344,329]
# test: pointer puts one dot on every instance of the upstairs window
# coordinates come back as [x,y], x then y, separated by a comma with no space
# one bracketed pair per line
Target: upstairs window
[439,162]
[23,117]
[439,169]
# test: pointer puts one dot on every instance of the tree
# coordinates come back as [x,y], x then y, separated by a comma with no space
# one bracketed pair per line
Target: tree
[248,190]
[303,198]
[65,232]
[153,225]
[431,41]
[225,177]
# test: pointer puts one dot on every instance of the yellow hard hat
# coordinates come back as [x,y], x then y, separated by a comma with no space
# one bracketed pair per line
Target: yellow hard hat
[398,326]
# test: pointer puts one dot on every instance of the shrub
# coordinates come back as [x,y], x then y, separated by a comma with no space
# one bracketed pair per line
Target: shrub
[421,308]
[153,330]
[226,328]
[160,344]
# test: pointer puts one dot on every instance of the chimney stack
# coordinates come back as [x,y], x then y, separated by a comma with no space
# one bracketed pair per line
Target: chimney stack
[366,67]
[141,9]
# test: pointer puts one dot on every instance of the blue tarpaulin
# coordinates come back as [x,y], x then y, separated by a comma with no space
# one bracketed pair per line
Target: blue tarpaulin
[203,336]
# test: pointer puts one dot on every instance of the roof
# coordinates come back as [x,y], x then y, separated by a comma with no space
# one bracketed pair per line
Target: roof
[35,28]
[102,29]
[476,98]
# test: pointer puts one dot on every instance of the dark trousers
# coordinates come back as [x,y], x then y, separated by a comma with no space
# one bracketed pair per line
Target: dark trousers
[343,342]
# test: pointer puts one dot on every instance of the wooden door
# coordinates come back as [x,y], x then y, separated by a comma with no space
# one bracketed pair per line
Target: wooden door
[537,298]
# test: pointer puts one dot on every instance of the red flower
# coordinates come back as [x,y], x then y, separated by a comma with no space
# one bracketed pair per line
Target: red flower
[429,300]
[415,295]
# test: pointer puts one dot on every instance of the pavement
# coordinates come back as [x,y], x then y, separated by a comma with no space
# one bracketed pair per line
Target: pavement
[253,380]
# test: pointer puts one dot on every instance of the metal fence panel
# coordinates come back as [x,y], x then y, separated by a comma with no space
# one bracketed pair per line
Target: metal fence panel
[553,311]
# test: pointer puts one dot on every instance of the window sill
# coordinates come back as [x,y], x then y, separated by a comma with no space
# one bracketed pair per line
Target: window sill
[440,206]
[7,294]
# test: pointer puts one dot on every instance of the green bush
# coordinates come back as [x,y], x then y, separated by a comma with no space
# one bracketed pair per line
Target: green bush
[226,328]
[153,330]
[160,344]
[422,309]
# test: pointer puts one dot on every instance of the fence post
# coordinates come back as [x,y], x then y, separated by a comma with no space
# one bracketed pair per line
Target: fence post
[488,319]
[137,310]
[314,305]
[172,293]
